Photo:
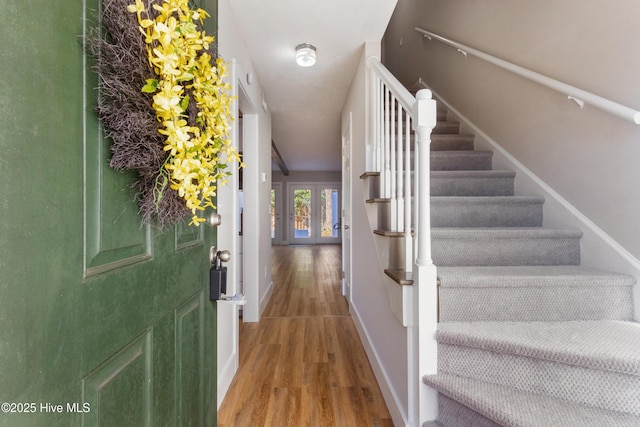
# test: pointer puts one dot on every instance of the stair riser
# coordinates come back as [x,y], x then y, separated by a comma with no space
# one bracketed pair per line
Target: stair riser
[451,160]
[460,161]
[602,389]
[452,186]
[499,214]
[373,184]
[536,304]
[451,143]
[384,215]
[393,248]
[440,142]
[446,128]
[442,113]
[472,187]
[443,127]
[454,414]
[485,251]
[453,214]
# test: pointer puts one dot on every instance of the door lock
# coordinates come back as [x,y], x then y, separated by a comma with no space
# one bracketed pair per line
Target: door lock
[218,274]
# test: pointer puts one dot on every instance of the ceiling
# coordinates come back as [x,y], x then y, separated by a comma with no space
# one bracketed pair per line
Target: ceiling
[306,103]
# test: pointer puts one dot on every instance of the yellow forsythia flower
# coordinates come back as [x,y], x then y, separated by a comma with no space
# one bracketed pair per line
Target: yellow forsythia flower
[177,52]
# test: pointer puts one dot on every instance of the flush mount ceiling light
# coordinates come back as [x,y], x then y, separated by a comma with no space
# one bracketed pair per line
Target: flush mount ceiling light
[305,55]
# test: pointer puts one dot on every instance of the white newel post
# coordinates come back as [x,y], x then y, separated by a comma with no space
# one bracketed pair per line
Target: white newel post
[424,120]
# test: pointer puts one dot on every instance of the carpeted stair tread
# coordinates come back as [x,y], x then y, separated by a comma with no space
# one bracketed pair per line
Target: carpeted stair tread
[530,276]
[605,345]
[432,424]
[514,408]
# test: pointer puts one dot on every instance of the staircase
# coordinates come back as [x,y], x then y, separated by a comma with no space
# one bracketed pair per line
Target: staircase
[527,335]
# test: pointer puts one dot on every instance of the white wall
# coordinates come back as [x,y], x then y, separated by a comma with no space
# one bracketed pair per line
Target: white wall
[384,338]
[588,157]
[256,134]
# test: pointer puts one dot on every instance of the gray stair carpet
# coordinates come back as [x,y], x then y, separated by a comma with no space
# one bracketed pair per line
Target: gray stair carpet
[534,293]
[528,335]
[514,408]
[454,414]
[594,363]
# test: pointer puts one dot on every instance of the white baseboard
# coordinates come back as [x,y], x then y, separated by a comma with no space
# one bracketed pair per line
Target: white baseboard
[266,297]
[225,376]
[398,413]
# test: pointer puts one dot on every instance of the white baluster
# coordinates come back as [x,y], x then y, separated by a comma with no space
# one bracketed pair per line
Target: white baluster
[401,172]
[372,164]
[408,238]
[386,178]
[393,177]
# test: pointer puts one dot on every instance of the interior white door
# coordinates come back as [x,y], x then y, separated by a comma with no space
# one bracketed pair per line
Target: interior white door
[229,204]
[329,221]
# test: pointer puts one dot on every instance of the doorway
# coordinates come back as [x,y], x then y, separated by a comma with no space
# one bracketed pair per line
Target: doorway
[314,213]
[231,206]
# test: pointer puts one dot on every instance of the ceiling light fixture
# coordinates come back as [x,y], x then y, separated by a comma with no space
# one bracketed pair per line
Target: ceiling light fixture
[305,55]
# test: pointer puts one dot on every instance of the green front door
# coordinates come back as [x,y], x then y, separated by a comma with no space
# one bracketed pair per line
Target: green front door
[103,321]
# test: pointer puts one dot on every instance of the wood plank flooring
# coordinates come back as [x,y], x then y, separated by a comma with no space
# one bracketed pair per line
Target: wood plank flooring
[303,364]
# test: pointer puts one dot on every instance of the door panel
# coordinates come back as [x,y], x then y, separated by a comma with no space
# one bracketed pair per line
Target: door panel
[301,208]
[113,235]
[128,372]
[276,213]
[95,308]
[328,197]
[190,363]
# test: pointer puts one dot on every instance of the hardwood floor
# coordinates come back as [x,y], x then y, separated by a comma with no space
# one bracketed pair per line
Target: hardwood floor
[303,364]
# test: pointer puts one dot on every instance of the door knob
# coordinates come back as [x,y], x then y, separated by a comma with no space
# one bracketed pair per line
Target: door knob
[346,227]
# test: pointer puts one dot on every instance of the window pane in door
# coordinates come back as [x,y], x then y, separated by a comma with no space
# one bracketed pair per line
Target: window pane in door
[302,219]
[329,210]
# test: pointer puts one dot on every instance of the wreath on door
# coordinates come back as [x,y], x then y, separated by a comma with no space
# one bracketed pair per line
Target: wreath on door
[165,104]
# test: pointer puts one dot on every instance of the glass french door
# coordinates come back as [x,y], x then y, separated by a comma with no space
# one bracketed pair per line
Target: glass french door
[314,213]
[276,218]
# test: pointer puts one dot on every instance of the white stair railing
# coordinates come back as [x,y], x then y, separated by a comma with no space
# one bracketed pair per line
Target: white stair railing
[394,112]
[579,96]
